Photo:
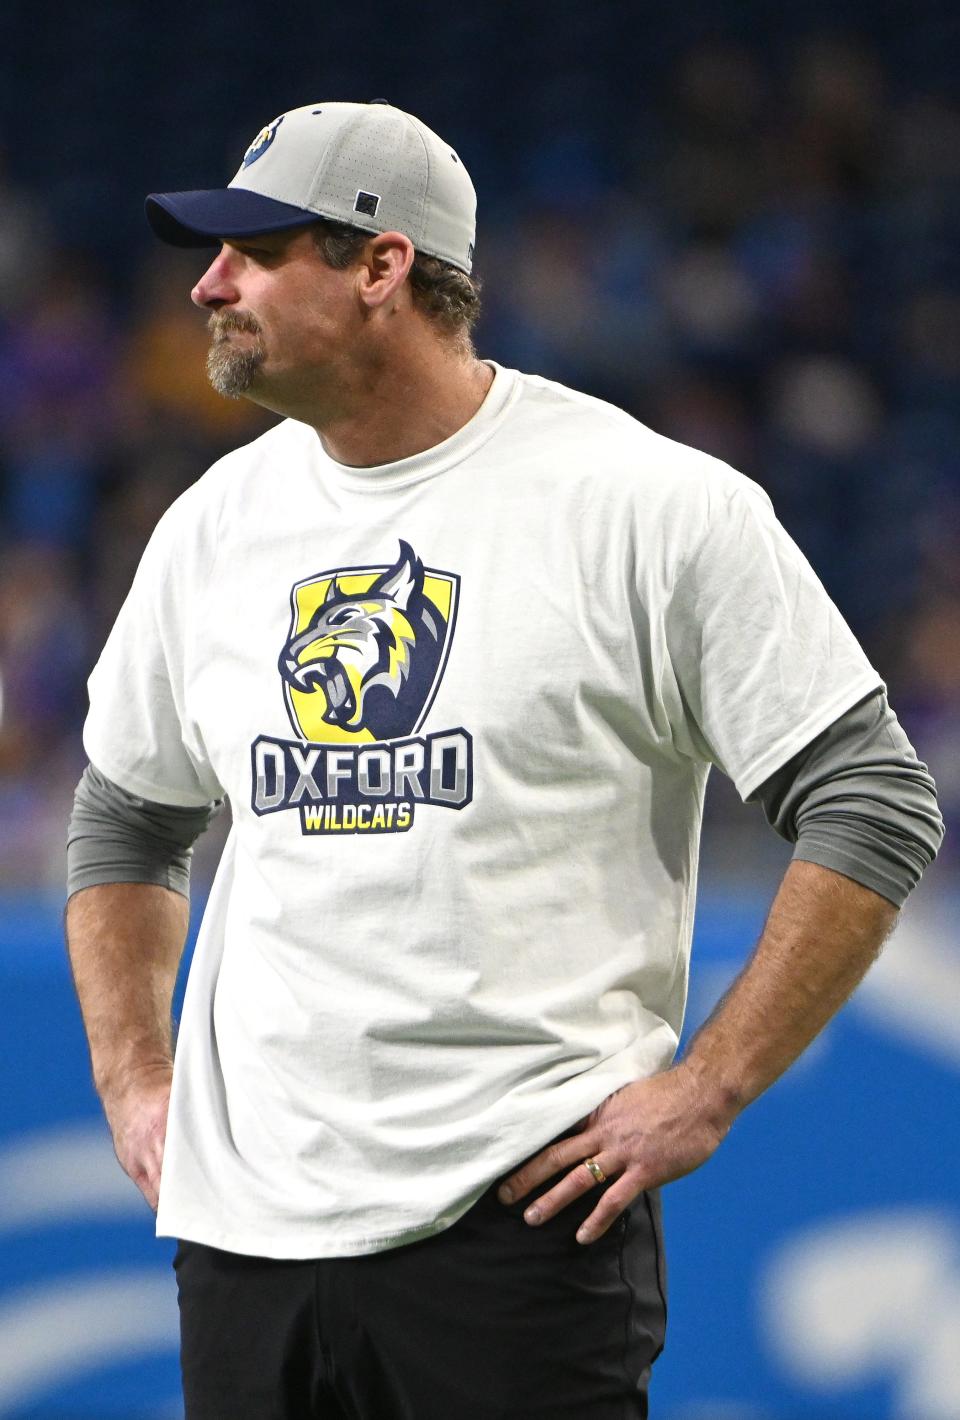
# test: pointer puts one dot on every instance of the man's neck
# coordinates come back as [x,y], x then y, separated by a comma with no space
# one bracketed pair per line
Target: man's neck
[405,410]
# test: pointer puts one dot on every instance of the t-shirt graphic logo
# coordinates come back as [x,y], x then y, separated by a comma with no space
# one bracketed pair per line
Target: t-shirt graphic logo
[360,670]
[370,652]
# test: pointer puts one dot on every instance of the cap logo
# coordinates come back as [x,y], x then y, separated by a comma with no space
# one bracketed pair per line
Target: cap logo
[367,202]
[262,141]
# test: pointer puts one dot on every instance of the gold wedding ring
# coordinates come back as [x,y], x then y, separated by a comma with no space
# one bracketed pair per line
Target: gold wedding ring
[596,1170]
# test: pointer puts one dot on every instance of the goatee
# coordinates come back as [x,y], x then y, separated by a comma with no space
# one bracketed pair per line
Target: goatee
[231,370]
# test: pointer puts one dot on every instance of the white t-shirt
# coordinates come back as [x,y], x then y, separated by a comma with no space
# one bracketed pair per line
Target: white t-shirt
[464,706]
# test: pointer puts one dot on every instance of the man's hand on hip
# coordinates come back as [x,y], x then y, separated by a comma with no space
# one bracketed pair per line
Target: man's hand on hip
[822,933]
[645,1134]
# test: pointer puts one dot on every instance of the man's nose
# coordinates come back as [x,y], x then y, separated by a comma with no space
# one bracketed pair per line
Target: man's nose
[217,286]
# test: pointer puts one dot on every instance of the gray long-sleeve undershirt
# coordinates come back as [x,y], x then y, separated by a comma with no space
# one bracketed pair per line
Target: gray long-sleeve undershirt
[116,837]
[856,799]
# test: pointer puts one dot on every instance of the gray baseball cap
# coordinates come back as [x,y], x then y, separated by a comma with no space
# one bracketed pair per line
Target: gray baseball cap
[371,165]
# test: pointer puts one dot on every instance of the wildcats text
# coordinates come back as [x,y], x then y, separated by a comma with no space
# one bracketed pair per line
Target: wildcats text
[361,788]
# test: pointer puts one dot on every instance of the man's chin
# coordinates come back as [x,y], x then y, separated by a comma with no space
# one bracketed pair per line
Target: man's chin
[233,373]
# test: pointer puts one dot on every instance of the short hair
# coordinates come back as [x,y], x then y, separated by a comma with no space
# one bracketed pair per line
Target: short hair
[446,295]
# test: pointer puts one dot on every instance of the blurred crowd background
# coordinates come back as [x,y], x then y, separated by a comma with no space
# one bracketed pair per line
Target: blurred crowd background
[739,223]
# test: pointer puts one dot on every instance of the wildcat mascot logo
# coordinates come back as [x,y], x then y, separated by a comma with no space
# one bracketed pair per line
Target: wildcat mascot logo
[360,670]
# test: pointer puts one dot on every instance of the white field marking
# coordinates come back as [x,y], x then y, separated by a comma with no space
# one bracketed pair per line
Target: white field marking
[74,1325]
[64,1173]
[912,991]
[872,1296]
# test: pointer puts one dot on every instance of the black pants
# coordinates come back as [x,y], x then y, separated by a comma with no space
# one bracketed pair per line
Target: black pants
[489,1320]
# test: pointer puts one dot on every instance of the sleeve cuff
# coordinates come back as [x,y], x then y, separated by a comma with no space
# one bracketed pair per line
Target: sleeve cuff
[866,867]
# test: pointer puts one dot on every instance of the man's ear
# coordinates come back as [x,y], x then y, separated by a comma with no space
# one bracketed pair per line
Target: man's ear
[384,268]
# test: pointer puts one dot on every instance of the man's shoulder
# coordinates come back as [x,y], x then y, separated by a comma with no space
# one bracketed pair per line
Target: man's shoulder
[555,400]
[624,446]
[227,475]
[195,517]
[281,438]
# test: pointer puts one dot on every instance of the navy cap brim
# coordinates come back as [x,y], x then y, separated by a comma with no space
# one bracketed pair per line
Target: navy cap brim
[200,219]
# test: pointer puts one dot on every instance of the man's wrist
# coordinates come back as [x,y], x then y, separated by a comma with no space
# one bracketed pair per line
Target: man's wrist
[718,1099]
[122,1079]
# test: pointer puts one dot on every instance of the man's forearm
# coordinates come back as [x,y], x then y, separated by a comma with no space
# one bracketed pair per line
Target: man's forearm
[822,934]
[125,941]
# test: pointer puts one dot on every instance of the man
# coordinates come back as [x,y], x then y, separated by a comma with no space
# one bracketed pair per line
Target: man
[460,645]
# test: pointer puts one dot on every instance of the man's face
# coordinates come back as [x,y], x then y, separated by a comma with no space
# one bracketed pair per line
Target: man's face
[279,316]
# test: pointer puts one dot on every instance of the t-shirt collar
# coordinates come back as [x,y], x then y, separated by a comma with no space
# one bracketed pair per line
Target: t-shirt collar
[376,477]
